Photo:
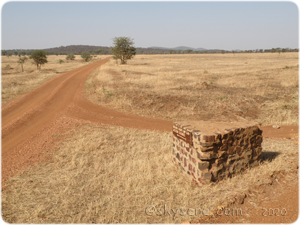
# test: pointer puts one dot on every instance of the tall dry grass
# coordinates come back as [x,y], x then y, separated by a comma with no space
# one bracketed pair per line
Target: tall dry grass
[16,82]
[111,175]
[260,87]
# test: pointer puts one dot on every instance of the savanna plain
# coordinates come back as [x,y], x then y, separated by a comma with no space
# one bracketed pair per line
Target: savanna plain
[109,174]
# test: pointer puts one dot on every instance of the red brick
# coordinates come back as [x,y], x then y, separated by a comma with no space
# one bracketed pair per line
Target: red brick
[206,144]
[235,142]
[203,165]
[207,156]
[221,154]
[208,138]
[224,141]
[220,161]
[241,143]
[193,175]
[206,149]
[259,140]
[218,136]
[225,136]
[198,155]
[230,150]
[206,177]
[194,160]
[248,154]
[238,149]
[223,148]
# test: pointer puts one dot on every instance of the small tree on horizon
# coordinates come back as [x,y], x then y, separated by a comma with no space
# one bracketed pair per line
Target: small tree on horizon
[21,61]
[39,58]
[70,57]
[123,49]
[86,56]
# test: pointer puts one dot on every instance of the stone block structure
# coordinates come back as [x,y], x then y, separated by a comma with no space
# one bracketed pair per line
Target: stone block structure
[209,152]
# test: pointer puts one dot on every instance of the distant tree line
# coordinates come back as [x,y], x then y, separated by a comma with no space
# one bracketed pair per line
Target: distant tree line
[99,50]
[72,49]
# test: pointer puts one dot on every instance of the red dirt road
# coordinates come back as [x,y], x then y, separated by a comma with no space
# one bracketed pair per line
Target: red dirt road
[30,121]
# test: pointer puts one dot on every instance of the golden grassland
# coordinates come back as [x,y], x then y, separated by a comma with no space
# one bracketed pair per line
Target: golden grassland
[102,174]
[259,87]
[106,174]
[16,82]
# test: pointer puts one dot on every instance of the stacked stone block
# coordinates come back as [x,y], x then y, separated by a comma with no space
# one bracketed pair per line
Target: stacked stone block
[209,152]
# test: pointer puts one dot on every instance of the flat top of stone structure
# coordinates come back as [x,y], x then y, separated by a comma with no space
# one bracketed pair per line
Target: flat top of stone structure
[208,127]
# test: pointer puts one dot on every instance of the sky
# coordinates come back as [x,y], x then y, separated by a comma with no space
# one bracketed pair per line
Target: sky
[209,25]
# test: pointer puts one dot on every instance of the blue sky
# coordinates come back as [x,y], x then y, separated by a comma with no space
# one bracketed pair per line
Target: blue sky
[210,25]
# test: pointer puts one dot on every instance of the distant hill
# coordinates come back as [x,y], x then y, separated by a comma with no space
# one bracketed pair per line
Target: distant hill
[181,48]
[104,50]
[78,49]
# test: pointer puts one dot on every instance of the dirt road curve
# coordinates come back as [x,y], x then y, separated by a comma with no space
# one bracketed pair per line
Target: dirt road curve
[29,121]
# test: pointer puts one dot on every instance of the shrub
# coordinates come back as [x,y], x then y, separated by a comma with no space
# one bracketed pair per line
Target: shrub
[70,57]
[86,56]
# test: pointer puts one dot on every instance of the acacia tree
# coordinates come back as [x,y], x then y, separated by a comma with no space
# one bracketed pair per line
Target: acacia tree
[123,49]
[39,58]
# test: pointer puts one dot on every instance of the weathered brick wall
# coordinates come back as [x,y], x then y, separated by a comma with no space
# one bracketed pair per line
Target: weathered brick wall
[209,152]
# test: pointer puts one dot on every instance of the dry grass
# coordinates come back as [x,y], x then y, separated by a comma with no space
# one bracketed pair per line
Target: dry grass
[259,87]
[101,174]
[110,175]
[16,82]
